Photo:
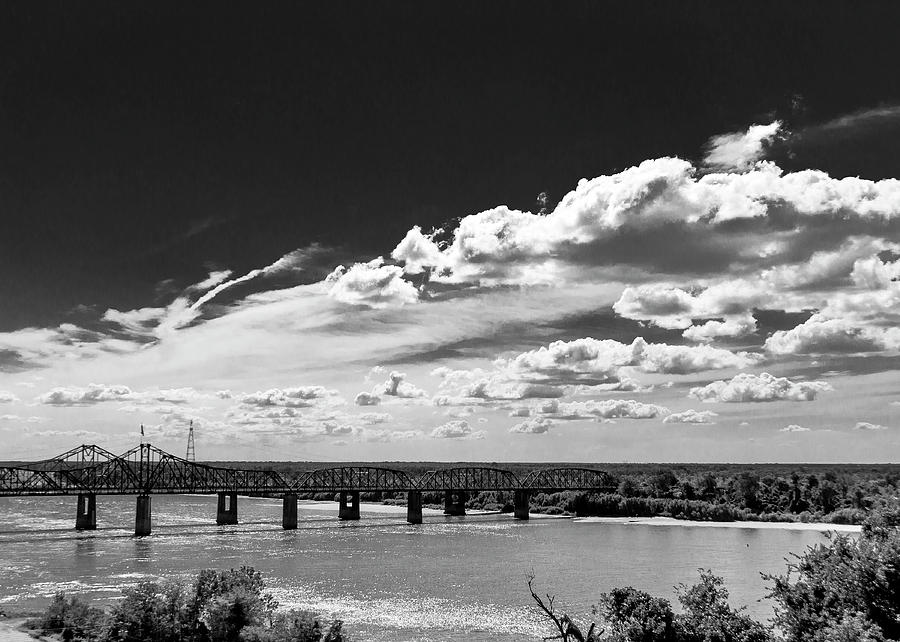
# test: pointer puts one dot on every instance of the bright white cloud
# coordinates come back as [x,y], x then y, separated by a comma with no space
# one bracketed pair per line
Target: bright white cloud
[371,284]
[299,397]
[397,386]
[746,387]
[865,425]
[875,274]
[641,206]
[691,417]
[606,409]
[457,429]
[464,387]
[740,150]
[794,428]
[818,336]
[7,397]
[604,357]
[712,330]
[417,251]
[77,396]
[366,399]
[533,426]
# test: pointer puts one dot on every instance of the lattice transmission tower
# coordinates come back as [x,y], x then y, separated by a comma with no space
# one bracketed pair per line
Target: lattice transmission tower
[191,454]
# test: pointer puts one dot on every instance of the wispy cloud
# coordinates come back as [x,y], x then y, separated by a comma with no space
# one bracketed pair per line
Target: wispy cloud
[740,150]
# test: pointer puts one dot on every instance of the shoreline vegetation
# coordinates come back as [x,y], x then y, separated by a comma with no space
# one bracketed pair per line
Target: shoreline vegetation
[845,590]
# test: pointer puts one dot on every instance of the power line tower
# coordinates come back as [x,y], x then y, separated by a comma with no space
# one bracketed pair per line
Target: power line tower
[191,455]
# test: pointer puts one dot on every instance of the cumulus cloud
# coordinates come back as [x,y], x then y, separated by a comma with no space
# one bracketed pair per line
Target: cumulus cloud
[384,435]
[7,397]
[604,357]
[712,330]
[533,426]
[874,273]
[794,428]
[463,387]
[818,336]
[740,150]
[457,429]
[372,418]
[630,218]
[371,284]
[92,394]
[865,425]
[397,386]
[605,409]
[299,397]
[675,308]
[691,417]
[366,399]
[762,387]
[417,251]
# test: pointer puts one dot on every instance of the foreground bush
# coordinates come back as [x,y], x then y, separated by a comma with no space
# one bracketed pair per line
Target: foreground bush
[218,606]
[847,590]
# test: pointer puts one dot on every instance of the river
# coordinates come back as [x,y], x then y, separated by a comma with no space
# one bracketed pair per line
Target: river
[447,580]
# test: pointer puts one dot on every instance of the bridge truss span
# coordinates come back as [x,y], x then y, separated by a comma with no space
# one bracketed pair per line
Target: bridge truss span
[89,471]
[559,479]
[468,478]
[354,478]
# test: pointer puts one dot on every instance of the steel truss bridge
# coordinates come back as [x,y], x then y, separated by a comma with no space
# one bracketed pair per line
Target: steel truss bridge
[88,471]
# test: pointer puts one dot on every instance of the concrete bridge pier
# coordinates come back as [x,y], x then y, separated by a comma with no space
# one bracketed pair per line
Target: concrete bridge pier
[226,512]
[289,512]
[414,507]
[455,502]
[520,503]
[142,516]
[349,508]
[86,518]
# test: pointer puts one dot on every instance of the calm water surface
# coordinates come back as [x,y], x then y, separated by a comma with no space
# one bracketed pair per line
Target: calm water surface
[449,579]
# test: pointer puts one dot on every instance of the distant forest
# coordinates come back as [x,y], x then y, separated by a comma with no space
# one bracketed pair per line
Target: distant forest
[836,493]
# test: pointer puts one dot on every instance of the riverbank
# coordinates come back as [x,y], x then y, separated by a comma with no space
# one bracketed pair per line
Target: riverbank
[10,631]
[820,527]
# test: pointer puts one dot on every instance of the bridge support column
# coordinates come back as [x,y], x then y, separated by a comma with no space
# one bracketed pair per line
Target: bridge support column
[455,502]
[520,503]
[226,512]
[349,508]
[142,516]
[86,518]
[289,512]
[414,507]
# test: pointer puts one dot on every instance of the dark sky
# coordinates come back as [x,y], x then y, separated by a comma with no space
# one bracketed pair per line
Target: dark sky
[149,141]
